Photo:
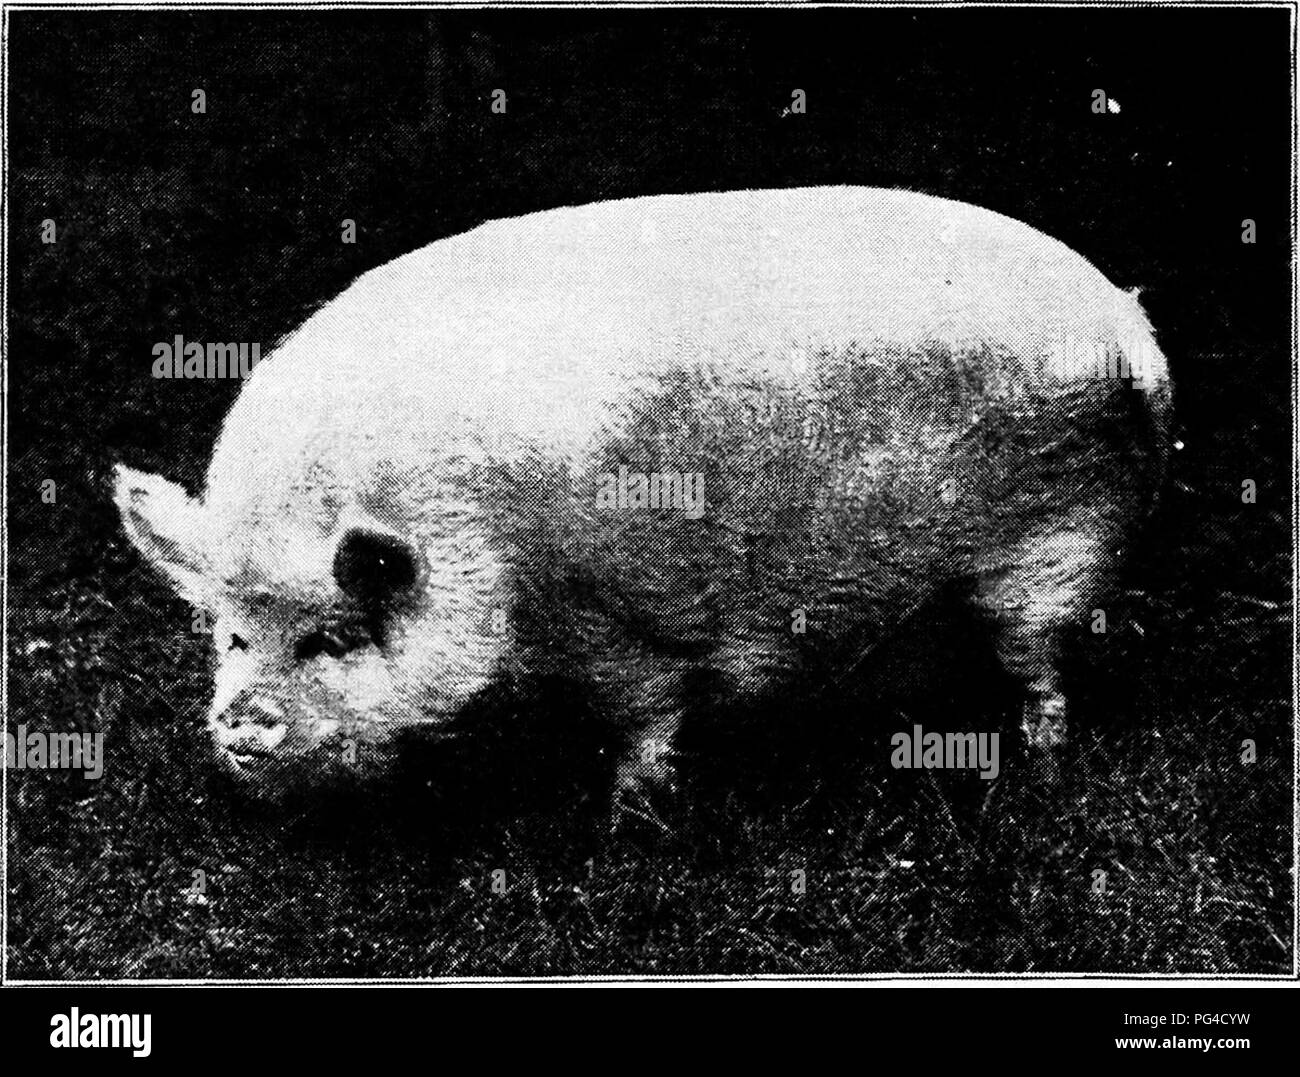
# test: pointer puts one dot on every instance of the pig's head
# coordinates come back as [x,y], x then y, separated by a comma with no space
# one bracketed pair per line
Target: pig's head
[344,611]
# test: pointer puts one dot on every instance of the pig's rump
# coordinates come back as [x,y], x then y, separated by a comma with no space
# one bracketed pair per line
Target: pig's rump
[851,505]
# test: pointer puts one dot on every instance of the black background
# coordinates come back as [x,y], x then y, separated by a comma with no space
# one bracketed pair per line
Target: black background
[226,225]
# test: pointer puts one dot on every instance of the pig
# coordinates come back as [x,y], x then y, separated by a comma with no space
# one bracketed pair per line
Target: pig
[732,440]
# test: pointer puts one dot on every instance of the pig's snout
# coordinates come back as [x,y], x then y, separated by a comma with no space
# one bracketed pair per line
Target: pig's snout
[253,712]
[251,729]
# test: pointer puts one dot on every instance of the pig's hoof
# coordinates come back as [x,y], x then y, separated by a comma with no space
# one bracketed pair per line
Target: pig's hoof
[644,794]
[1044,723]
[633,809]
[1044,726]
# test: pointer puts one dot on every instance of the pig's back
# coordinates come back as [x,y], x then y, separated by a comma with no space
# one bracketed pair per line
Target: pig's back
[527,328]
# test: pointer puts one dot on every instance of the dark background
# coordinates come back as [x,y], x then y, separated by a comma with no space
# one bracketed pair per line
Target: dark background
[225,226]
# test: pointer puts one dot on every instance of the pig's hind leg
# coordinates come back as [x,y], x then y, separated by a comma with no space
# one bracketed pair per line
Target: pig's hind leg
[1039,589]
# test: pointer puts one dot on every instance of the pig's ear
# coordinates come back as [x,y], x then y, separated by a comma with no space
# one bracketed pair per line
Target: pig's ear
[166,525]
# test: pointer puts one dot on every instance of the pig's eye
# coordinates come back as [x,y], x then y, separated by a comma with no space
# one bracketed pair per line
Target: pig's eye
[374,568]
[238,643]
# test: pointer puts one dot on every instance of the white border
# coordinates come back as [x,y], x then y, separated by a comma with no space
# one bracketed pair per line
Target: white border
[900,979]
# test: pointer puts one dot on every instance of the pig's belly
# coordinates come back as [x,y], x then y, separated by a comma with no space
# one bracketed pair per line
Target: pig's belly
[829,520]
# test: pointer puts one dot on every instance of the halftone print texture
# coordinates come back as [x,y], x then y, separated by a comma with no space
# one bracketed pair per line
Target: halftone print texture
[649,493]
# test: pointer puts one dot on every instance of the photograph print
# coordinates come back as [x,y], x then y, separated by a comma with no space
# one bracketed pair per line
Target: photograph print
[506,492]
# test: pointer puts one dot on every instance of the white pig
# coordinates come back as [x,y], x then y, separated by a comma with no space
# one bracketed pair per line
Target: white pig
[879,392]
